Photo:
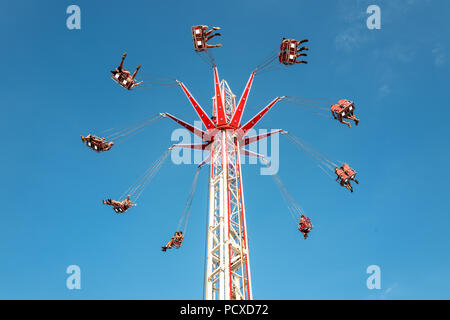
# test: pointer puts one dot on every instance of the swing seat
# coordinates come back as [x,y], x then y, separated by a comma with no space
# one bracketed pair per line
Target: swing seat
[176,244]
[118,209]
[336,108]
[346,106]
[123,80]
[351,174]
[198,38]
[96,146]
[341,174]
[306,226]
[288,54]
[344,103]
[343,180]
[121,208]
[346,111]
[304,229]
[348,171]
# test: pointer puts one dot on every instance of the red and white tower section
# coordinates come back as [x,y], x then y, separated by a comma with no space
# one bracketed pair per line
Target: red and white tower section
[228,275]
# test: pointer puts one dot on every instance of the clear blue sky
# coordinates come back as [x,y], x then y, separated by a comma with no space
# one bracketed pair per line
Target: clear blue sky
[56,87]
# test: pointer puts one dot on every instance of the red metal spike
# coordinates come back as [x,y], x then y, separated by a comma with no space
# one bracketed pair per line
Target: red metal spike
[237,116]
[253,121]
[207,122]
[221,116]
[197,146]
[198,132]
[249,153]
[248,140]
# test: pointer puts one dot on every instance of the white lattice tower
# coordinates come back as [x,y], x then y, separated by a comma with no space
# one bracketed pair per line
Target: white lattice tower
[227,258]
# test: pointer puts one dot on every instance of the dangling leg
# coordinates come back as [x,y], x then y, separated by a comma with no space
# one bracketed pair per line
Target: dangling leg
[301,61]
[302,41]
[352,117]
[357,182]
[345,122]
[167,246]
[349,187]
[135,73]
[121,62]
[341,120]
[207,33]
[136,84]
[302,49]
[116,203]
[208,46]
[301,55]
[214,35]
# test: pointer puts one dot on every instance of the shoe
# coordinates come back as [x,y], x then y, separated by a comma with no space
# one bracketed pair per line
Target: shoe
[164,249]
[216,28]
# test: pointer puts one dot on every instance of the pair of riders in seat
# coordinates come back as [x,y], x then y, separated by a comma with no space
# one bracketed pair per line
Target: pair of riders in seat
[344,109]
[201,35]
[345,174]
[120,206]
[290,50]
[96,143]
[305,226]
[175,241]
[123,77]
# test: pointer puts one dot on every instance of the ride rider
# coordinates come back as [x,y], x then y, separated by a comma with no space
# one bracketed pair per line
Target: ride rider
[124,74]
[120,206]
[176,239]
[304,226]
